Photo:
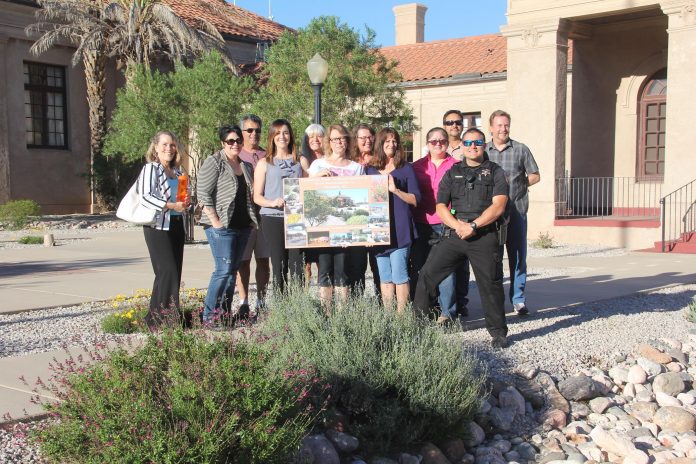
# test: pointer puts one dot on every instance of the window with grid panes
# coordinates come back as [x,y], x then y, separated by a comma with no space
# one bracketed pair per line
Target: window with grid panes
[471,120]
[653,118]
[45,111]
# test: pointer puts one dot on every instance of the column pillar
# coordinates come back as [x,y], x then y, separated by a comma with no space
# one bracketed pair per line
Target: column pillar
[680,163]
[4,142]
[537,73]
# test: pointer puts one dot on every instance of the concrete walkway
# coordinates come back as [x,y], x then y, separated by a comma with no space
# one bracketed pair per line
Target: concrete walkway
[101,265]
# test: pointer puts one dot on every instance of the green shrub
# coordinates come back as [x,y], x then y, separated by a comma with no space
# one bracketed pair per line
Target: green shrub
[545,240]
[16,213]
[181,398]
[31,240]
[690,312]
[399,379]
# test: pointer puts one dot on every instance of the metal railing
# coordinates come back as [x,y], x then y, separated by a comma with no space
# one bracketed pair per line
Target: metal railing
[600,197]
[678,215]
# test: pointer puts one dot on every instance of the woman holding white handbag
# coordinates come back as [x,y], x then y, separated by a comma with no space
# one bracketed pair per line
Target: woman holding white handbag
[158,184]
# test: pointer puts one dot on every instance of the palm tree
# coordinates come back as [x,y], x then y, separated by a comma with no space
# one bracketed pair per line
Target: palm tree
[131,31]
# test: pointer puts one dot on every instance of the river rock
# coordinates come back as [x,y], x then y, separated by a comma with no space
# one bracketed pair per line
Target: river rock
[342,441]
[502,418]
[433,455]
[600,404]
[637,374]
[320,449]
[555,398]
[531,391]
[510,398]
[674,419]
[476,435]
[579,387]
[653,354]
[579,410]
[619,375]
[663,399]
[636,457]
[554,419]
[405,458]
[454,450]
[651,367]
[670,383]
[612,442]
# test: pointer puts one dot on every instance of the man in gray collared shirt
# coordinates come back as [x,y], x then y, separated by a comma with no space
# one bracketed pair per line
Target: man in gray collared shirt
[521,172]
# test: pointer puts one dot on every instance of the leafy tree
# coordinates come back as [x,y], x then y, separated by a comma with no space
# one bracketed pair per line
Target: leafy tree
[316,207]
[357,88]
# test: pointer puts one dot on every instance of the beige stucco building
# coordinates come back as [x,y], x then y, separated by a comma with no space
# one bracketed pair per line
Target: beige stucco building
[601,92]
[44,131]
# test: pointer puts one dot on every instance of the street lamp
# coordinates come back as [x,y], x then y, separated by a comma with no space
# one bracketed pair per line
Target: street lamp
[317,68]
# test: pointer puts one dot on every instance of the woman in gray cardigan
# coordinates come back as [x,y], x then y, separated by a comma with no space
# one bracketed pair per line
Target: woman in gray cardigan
[225,190]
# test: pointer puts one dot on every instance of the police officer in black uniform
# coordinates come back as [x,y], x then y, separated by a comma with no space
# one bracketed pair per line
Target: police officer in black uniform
[477,191]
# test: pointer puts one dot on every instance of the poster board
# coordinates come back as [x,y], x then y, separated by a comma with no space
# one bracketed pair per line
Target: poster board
[336,211]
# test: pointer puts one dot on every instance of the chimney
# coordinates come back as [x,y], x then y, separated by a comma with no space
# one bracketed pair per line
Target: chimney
[410,23]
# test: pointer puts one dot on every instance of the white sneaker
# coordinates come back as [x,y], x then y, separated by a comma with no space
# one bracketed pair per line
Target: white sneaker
[520,309]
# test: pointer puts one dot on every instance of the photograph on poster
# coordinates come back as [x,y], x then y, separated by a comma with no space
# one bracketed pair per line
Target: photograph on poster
[336,211]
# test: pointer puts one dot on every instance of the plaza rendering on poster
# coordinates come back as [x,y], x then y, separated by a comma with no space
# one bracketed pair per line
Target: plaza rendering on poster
[336,211]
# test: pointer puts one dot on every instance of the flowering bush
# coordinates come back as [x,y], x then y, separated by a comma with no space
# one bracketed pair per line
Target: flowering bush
[181,398]
[132,310]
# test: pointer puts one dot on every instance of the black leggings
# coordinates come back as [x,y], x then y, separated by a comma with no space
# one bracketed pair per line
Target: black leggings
[333,264]
[283,260]
[166,249]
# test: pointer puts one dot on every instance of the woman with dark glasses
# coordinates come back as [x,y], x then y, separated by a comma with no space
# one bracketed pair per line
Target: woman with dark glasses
[224,189]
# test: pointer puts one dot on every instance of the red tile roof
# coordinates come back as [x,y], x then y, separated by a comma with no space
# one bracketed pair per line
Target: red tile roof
[483,54]
[228,19]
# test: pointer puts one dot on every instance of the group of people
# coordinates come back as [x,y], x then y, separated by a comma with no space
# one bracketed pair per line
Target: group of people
[448,210]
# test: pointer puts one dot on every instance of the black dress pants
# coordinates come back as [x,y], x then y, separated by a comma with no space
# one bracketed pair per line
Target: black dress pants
[166,248]
[283,260]
[358,258]
[486,258]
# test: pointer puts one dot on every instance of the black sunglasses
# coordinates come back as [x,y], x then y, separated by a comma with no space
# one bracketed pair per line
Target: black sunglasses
[249,131]
[458,122]
[231,142]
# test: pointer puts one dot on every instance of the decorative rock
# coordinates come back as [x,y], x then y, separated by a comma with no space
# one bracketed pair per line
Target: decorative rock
[433,455]
[476,435]
[600,404]
[555,398]
[526,451]
[651,367]
[591,451]
[577,427]
[663,399]
[604,381]
[636,457]
[342,441]
[629,390]
[674,367]
[686,398]
[405,458]
[554,419]
[454,450]
[678,355]
[510,398]
[654,355]
[598,419]
[639,432]
[321,450]
[579,410]
[612,442]
[674,419]
[485,407]
[685,445]
[643,410]
[502,418]
[637,374]
[512,456]
[645,396]
[670,383]
[526,371]
[653,427]
[579,387]
[502,445]
[619,375]
[552,456]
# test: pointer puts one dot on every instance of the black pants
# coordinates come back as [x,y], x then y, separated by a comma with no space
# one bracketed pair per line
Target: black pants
[166,248]
[333,267]
[283,260]
[358,258]
[486,258]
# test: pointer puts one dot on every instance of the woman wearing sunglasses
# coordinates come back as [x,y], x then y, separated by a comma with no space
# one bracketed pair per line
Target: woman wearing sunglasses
[404,194]
[225,190]
[282,161]
[429,171]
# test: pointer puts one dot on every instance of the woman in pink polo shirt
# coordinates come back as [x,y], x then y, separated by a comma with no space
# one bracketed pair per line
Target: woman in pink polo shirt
[429,171]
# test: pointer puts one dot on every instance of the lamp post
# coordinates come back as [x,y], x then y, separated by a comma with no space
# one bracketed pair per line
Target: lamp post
[317,68]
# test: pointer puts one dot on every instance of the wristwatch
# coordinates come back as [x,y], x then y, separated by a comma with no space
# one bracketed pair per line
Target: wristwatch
[473,226]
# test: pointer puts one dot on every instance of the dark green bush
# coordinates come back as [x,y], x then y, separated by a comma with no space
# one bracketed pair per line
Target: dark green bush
[15,214]
[400,380]
[181,398]
[31,240]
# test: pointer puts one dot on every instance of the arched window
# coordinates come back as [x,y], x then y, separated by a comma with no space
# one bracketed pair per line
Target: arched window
[653,117]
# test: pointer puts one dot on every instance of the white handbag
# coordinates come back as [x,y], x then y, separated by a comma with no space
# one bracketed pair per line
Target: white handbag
[130,209]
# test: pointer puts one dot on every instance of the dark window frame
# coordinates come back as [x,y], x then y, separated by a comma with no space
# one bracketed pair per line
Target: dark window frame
[645,101]
[44,90]
[471,117]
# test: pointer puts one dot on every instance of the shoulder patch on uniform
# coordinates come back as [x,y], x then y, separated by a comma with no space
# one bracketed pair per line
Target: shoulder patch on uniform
[485,172]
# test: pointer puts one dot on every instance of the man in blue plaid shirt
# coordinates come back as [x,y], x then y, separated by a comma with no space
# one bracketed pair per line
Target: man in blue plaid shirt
[521,172]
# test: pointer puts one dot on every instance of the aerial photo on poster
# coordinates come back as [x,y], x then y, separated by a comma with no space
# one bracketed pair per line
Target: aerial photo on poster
[336,211]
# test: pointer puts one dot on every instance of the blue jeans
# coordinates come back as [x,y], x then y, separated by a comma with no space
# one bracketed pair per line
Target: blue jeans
[393,268]
[227,246]
[516,245]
